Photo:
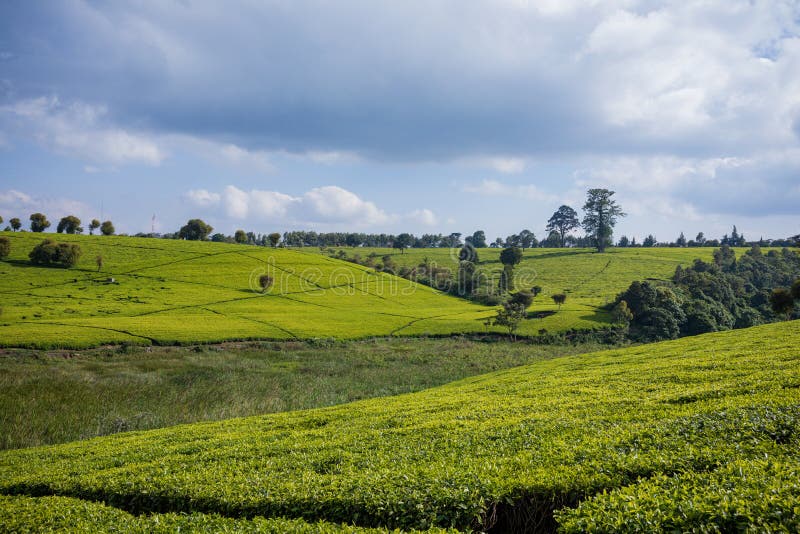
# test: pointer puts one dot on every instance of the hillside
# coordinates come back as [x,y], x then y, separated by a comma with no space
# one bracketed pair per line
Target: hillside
[701,432]
[167,292]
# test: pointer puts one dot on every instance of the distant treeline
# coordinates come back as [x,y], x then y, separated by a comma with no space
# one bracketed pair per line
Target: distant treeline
[524,240]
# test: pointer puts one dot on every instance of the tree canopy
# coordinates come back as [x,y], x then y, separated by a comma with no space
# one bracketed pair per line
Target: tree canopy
[600,215]
[195,230]
[564,220]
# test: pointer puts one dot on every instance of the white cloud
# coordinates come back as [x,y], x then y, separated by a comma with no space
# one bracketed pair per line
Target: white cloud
[202,197]
[501,164]
[423,216]
[496,188]
[320,205]
[78,129]
[14,203]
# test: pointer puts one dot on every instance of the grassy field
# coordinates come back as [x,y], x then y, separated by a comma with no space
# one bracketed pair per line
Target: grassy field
[173,292]
[702,434]
[54,397]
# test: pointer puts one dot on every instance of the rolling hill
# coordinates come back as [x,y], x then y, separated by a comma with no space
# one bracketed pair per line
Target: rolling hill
[697,433]
[154,291]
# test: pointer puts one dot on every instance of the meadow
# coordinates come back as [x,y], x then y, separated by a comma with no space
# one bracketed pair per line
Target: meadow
[59,396]
[700,433]
[163,292]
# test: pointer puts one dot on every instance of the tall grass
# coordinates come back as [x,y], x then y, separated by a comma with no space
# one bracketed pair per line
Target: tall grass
[54,397]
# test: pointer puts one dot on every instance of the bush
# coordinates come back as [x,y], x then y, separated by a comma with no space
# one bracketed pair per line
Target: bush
[559,298]
[265,281]
[524,298]
[48,252]
[5,247]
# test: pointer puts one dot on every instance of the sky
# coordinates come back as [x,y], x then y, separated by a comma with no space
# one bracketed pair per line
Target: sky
[433,116]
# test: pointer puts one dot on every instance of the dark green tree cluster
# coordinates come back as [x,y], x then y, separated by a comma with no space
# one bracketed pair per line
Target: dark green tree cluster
[194,230]
[727,293]
[48,252]
[5,247]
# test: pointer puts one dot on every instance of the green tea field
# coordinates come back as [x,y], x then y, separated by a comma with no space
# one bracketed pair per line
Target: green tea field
[152,291]
[697,434]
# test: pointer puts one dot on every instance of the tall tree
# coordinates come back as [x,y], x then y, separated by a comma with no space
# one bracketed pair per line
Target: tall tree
[479,239]
[16,224]
[681,241]
[563,221]
[600,216]
[39,222]
[68,224]
[403,241]
[94,225]
[240,236]
[274,238]
[527,239]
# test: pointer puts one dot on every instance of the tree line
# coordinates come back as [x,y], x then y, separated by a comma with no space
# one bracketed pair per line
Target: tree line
[600,215]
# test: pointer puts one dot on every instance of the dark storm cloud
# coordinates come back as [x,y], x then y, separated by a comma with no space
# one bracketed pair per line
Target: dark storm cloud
[429,80]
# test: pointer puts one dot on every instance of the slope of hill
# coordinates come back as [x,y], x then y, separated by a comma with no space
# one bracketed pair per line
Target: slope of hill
[701,432]
[167,292]
[179,292]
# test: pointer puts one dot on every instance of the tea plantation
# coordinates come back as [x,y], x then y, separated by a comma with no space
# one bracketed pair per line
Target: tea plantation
[153,291]
[701,434]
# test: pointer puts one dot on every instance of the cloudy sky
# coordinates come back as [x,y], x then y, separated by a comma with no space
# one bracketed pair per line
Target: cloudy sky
[429,116]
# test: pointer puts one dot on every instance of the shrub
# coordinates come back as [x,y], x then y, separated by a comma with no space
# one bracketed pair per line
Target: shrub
[523,298]
[559,298]
[48,252]
[5,247]
[265,281]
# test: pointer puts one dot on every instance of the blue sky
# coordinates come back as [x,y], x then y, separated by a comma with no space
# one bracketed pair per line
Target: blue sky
[437,116]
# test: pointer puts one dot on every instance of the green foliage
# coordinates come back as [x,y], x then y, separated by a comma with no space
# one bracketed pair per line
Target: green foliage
[68,224]
[240,236]
[621,314]
[796,289]
[665,437]
[274,239]
[265,281]
[94,225]
[39,222]
[65,514]
[523,298]
[5,247]
[107,228]
[709,297]
[511,256]
[600,216]
[563,221]
[506,282]
[48,252]
[782,301]
[559,299]
[510,315]
[195,230]
[15,223]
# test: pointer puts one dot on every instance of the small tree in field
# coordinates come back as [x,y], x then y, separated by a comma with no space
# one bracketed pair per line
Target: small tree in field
[559,298]
[107,228]
[94,225]
[68,225]
[510,316]
[16,224]
[5,247]
[240,237]
[265,281]
[39,222]
[274,238]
